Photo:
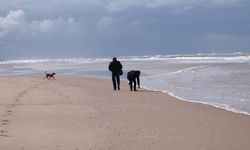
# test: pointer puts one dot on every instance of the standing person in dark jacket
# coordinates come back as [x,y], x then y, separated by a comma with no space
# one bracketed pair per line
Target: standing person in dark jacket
[133,76]
[115,67]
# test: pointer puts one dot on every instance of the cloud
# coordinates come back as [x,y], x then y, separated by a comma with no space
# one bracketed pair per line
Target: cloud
[105,22]
[104,27]
[114,5]
[121,5]
[184,9]
[58,27]
[186,3]
[16,22]
[13,21]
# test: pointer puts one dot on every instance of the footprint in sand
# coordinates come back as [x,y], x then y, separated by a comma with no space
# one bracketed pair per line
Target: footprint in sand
[3,135]
[5,122]
[12,105]
[9,112]
[3,131]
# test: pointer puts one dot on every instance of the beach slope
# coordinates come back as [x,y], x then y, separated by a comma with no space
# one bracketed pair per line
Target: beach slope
[72,113]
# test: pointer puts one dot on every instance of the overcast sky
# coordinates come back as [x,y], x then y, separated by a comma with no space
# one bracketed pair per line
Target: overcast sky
[101,28]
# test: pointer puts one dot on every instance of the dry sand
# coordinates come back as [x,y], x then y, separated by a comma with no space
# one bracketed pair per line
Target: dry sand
[86,114]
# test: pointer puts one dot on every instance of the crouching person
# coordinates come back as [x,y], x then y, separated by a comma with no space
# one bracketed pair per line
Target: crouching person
[133,76]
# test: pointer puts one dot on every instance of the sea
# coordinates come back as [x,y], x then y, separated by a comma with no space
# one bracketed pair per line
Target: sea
[221,80]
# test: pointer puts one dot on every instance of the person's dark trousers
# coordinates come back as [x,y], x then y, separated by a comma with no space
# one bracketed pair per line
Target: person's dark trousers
[131,84]
[116,79]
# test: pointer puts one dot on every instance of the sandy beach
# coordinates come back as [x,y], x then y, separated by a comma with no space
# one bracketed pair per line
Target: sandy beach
[73,113]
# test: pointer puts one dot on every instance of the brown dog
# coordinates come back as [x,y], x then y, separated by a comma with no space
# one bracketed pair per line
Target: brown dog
[49,75]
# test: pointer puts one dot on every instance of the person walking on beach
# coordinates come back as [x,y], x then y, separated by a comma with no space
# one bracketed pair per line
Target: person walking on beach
[116,68]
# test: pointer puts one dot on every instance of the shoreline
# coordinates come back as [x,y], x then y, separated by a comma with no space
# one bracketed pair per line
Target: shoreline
[212,105]
[125,80]
[177,97]
[85,113]
[146,88]
[203,103]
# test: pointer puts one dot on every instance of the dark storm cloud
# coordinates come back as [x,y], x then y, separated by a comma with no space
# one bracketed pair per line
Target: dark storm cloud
[61,28]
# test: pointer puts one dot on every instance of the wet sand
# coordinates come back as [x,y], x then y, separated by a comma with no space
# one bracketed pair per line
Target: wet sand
[72,113]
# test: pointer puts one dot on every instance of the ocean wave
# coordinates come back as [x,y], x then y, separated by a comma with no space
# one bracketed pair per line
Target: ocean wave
[216,59]
[188,69]
[236,57]
[66,60]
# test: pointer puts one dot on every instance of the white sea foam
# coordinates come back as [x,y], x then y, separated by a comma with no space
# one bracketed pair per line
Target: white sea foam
[66,60]
[194,58]
[188,58]
[187,69]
